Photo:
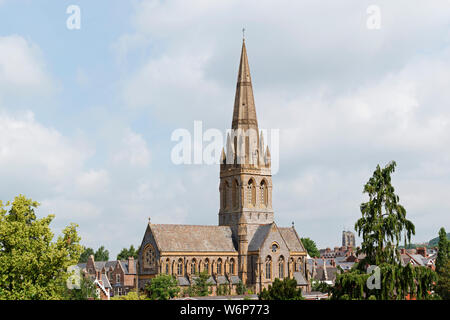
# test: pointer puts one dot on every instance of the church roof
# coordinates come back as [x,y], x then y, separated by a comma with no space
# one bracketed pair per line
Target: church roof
[259,236]
[177,237]
[291,238]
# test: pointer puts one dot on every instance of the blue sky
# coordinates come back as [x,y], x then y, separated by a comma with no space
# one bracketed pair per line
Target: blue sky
[86,115]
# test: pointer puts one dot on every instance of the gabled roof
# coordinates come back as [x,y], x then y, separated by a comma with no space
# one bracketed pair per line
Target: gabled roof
[259,236]
[105,281]
[292,240]
[187,238]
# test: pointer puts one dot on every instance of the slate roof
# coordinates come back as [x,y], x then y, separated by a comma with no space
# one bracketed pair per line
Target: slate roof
[258,237]
[177,237]
[124,264]
[222,280]
[105,281]
[183,281]
[235,279]
[298,276]
[292,240]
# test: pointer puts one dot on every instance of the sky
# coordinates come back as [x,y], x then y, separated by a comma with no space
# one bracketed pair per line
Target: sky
[86,115]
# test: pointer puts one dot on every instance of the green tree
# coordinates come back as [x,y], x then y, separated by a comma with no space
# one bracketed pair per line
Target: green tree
[101,254]
[443,283]
[85,255]
[201,286]
[32,265]
[132,295]
[162,287]
[443,250]
[87,290]
[311,247]
[383,219]
[382,225]
[241,288]
[126,253]
[285,289]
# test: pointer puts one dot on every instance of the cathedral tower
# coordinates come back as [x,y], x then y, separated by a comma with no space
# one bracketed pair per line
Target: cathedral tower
[245,175]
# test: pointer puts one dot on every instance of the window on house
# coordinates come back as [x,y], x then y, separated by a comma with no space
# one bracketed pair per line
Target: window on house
[118,278]
[274,247]
[149,256]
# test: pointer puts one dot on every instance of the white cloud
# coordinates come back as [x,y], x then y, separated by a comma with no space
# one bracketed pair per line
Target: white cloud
[132,150]
[22,68]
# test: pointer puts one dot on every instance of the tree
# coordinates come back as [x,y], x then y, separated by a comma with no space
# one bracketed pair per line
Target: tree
[132,295]
[382,225]
[443,250]
[201,285]
[87,290]
[383,219]
[85,255]
[285,289]
[101,254]
[443,284]
[162,287]
[241,288]
[126,253]
[32,265]
[311,247]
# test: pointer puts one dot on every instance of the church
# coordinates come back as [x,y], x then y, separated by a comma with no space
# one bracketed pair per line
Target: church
[247,245]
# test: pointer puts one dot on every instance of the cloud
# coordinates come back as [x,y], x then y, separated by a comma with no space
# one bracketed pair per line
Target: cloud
[132,151]
[22,68]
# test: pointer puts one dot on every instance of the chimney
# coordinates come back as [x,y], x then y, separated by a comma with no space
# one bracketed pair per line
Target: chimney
[131,266]
[403,251]
[422,251]
[333,263]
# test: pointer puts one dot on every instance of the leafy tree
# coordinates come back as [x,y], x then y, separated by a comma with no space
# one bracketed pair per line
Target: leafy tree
[101,254]
[443,283]
[240,288]
[311,247]
[32,265]
[201,286]
[126,253]
[162,287]
[382,224]
[443,250]
[285,289]
[383,219]
[320,286]
[223,289]
[132,295]
[87,290]
[85,255]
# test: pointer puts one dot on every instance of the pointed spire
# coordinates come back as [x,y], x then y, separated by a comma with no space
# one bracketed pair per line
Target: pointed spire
[244,115]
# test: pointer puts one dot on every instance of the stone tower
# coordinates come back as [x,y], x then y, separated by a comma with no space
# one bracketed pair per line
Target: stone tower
[245,175]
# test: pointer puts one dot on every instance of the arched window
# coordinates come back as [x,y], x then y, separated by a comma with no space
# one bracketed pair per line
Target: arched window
[251,193]
[235,194]
[206,265]
[224,195]
[219,266]
[149,256]
[274,247]
[298,265]
[180,267]
[167,266]
[281,267]
[232,266]
[193,266]
[264,193]
[268,267]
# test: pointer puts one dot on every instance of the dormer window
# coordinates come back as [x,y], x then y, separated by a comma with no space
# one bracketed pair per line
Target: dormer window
[274,247]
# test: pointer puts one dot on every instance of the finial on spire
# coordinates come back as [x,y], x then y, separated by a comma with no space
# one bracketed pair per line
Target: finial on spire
[149,220]
[292,224]
[243,34]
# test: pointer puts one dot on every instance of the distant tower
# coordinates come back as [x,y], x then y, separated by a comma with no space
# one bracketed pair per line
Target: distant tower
[245,175]
[348,239]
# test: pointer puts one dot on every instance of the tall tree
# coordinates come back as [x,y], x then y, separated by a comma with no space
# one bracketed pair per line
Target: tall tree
[126,253]
[32,265]
[443,250]
[101,254]
[311,247]
[383,219]
[382,225]
[85,255]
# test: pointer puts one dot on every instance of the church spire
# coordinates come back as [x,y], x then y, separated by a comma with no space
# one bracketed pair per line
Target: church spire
[244,115]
